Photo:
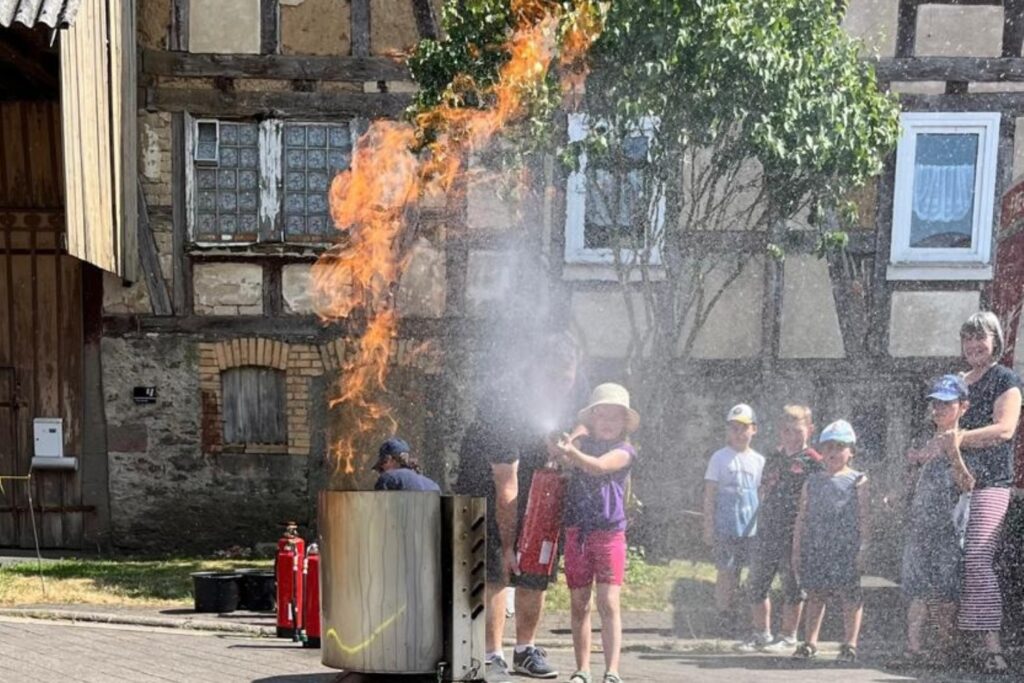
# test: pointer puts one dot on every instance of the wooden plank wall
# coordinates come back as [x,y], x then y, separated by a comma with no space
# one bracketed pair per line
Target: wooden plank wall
[40,326]
[27,177]
[89,124]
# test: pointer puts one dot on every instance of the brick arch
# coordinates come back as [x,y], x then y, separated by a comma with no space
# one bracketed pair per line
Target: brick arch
[300,363]
[260,351]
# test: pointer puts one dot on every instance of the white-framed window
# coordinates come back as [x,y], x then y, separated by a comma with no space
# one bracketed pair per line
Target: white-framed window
[602,205]
[262,181]
[943,196]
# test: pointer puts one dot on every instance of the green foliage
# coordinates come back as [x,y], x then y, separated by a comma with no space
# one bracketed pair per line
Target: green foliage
[774,80]
[778,81]
[638,571]
[474,49]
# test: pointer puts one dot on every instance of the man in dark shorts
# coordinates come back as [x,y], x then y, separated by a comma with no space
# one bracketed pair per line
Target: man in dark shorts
[502,448]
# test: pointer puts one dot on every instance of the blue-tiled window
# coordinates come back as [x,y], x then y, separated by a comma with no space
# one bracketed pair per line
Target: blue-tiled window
[266,181]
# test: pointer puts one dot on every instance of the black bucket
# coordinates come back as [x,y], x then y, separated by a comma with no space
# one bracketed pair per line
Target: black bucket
[216,591]
[258,590]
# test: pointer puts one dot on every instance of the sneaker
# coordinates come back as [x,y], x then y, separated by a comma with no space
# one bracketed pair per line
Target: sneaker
[805,651]
[533,662]
[908,660]
[781,644]
[496,671]
[847,654]
[756,642]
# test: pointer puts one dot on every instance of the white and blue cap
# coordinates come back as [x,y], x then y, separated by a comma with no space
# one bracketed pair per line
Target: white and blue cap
[949,388]
[840,431]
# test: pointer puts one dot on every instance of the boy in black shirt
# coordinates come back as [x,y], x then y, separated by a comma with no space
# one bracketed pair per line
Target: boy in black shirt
[783,479]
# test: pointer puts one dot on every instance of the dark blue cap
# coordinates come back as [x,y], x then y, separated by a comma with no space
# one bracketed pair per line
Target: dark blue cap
[949,388]
[393,446]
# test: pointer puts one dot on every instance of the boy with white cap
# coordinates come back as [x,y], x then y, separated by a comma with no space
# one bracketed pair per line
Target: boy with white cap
[731,482]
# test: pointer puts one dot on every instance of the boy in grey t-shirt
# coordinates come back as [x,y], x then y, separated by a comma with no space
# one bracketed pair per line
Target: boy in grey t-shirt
[730,506]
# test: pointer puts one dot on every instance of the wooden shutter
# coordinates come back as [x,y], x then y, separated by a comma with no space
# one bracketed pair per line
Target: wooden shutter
[254,410]
[98,82]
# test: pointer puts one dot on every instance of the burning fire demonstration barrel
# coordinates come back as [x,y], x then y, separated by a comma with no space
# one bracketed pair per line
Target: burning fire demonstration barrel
[402,583]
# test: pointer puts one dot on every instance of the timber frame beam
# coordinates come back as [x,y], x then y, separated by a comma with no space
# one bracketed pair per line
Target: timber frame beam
[280,104]
[284,67]
[964,69]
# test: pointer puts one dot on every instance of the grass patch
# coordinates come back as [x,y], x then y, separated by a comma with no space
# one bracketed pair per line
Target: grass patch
[166,583]
[110,582]
[648,586]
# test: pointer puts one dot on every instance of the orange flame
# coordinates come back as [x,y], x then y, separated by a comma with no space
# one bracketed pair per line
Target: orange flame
[371,201]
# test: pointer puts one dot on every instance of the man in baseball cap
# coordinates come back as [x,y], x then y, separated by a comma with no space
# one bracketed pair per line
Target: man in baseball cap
[400,471]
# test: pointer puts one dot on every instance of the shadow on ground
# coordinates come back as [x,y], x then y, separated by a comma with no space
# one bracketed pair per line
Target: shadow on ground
[825,664]
[347,677]
[304,678]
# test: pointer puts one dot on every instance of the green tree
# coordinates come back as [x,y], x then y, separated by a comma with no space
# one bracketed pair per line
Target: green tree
[748,115]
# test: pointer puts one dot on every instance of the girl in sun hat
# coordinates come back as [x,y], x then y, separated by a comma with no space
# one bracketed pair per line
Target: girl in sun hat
[595,522]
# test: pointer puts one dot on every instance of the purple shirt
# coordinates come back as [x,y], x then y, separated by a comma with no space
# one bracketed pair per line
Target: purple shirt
[598,502]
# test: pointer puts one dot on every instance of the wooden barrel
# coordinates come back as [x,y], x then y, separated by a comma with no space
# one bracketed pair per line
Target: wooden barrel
[380,563]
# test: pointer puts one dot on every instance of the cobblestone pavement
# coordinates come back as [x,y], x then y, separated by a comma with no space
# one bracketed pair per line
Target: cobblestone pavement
[37,651]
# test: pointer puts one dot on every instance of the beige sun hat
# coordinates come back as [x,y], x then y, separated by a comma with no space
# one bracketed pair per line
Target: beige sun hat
[613,395]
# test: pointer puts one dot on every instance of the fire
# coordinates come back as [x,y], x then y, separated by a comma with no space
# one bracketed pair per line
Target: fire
[373,203]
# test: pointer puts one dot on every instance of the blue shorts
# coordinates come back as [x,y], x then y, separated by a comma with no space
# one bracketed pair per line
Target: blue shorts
[732,553]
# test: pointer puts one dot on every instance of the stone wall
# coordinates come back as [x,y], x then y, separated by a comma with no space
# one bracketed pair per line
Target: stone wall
[167,494]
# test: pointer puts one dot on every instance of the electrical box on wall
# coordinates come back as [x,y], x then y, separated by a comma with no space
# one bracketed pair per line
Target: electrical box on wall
[49,437]
[48,433]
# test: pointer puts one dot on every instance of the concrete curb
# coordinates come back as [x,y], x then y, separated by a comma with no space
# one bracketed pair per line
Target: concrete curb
[138,620]
[650,645]
[631,644]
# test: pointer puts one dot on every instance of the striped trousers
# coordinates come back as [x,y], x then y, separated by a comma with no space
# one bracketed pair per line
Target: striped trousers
[981,604]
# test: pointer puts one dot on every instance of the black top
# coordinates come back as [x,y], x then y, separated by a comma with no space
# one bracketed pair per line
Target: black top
[992,466]
[511,427]
[404,479]
[782,483]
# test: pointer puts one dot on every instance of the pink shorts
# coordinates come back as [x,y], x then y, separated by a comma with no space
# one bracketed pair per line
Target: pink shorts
[597,556]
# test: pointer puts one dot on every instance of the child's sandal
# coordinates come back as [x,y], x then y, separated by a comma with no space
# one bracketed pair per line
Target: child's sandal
[611,677]
[909,659]
[805,651]
[581,677]
[847,654]
[995,663]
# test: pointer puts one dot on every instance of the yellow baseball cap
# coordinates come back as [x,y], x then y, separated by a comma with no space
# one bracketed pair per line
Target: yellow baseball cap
[741,413]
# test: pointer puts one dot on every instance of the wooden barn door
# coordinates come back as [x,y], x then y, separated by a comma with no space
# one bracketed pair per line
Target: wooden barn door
[41,333]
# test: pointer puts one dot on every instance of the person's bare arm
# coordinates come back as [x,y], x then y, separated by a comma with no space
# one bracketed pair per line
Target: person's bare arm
[863,522]
[506,497]
[961,475]
[710,493]
[609,462]
[798,531]
[1005,416]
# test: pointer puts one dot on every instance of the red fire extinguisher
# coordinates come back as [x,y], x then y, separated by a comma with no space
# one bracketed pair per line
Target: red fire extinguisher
[311,585]
[288,572]
[542,524]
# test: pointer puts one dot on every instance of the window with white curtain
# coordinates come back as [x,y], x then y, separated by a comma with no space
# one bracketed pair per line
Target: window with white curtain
[944,196]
